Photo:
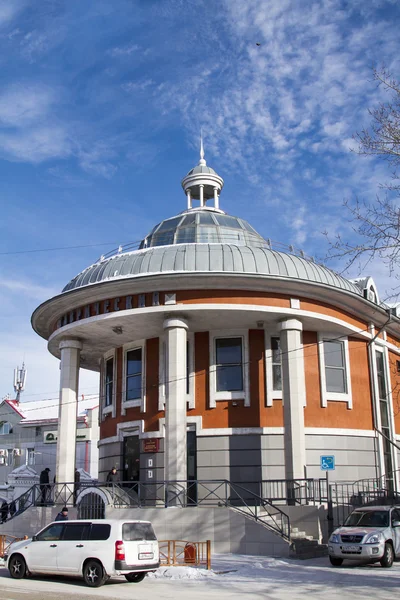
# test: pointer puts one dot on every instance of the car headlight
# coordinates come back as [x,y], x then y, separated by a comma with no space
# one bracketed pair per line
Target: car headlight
[373,538]
[335,538]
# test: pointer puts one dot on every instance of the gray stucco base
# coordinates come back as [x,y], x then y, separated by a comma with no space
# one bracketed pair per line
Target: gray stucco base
[253,457]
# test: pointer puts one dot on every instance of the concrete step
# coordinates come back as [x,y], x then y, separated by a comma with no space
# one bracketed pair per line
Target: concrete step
[305,548]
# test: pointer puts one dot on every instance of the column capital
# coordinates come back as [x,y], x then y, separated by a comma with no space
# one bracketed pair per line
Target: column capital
[177,321]
[70,343]
[290,325]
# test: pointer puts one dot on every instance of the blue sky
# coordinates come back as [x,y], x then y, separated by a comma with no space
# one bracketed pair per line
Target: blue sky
[101,104]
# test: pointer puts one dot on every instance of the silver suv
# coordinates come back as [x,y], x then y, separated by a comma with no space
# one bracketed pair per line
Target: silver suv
[370,533]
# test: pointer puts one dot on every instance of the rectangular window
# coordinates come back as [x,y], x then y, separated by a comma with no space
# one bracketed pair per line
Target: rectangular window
[188,367]
[380,368]
[134,374]
[10,458]
[334,370]
[30,456]
[76,532]
[384,411]
[276,364]
[335,367]
[229,364]
[99,531]
[109,382]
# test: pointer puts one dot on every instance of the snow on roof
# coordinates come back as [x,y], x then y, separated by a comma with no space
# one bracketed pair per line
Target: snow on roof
[47,410]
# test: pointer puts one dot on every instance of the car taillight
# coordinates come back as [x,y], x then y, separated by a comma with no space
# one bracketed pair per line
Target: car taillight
[119,550]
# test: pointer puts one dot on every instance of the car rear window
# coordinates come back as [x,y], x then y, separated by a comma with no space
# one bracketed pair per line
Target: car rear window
[100,531]
[132,532]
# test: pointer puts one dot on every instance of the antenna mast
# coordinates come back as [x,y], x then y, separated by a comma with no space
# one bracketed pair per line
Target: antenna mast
[19,381]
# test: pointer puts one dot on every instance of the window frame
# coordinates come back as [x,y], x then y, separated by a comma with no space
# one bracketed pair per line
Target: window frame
[334,396]
[139,402]
[10,428]
[110,408]
[243,394]
[30,452]
[376,348]
[271,394]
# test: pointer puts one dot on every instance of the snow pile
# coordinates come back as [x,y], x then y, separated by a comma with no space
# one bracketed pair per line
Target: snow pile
[181,573]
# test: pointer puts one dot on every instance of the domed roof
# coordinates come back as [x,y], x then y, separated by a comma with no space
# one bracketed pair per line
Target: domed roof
[203,225]
[199,169]
[224,258]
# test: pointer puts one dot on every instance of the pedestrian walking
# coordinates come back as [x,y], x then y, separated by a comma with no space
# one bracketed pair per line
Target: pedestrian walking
[77,484]
[62,515]
[4,511]
[112,476]
[44,482]
[13,508]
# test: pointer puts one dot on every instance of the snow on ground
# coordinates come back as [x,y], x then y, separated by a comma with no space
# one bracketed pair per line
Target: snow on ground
[287,578]
[235,577]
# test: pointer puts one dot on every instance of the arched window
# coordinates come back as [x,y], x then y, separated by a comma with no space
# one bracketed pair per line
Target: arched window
[5,428]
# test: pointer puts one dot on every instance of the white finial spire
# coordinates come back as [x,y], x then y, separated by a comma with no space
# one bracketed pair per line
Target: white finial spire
[202,162]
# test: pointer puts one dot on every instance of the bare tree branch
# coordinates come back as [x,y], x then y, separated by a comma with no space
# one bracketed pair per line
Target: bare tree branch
[377,225]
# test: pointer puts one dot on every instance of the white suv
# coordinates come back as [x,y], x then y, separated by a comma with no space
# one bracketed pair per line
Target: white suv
[370,533]
[94,550]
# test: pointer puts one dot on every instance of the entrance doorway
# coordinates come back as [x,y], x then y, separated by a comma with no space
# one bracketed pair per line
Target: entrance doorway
[131,456]
[191,445]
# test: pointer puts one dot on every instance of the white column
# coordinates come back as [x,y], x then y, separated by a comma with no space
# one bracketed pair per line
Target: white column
[201,186]
[294,396]
[189,198]
[175,401]
[69,380]
[216,198]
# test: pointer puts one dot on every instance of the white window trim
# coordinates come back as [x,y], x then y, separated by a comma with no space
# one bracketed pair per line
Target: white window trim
[162,363]
[243,394]
[378,347]
[141,402]
[30,452]
[10,428]
[334,396]
[106,410]
[271,394]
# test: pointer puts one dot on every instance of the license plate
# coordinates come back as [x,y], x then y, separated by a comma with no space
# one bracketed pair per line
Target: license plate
[351,548]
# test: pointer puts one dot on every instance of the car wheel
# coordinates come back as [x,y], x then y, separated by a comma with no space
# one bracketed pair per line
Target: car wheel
[388,556]
[335,562]
[135,577]
[17,566]
[93,573]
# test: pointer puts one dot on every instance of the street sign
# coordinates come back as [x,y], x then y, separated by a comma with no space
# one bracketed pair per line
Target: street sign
[327,463]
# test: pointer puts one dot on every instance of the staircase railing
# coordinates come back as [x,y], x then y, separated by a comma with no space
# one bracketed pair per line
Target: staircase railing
[163,494]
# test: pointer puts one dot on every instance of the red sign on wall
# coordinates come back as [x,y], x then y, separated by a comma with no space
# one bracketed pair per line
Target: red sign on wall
[151,445]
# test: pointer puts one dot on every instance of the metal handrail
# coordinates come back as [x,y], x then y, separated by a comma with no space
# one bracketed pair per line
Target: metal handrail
[208,492]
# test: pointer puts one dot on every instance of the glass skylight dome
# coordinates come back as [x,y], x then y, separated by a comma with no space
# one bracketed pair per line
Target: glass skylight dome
[203,226]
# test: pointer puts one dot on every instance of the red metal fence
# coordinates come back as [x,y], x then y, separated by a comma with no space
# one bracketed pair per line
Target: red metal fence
[176,553]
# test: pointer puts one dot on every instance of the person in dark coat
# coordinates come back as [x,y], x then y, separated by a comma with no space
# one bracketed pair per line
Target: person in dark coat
[62,515]
[4,511]
[44,482]
[112,477]
[77,484]
[13,508]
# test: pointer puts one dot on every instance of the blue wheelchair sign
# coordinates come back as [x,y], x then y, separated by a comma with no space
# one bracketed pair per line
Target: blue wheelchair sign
[327,463]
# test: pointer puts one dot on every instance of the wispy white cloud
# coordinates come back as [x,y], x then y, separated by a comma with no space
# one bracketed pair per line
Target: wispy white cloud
[36,145]
[133,86]
[24,104]
[9,9]
[27,288]
[124,50]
